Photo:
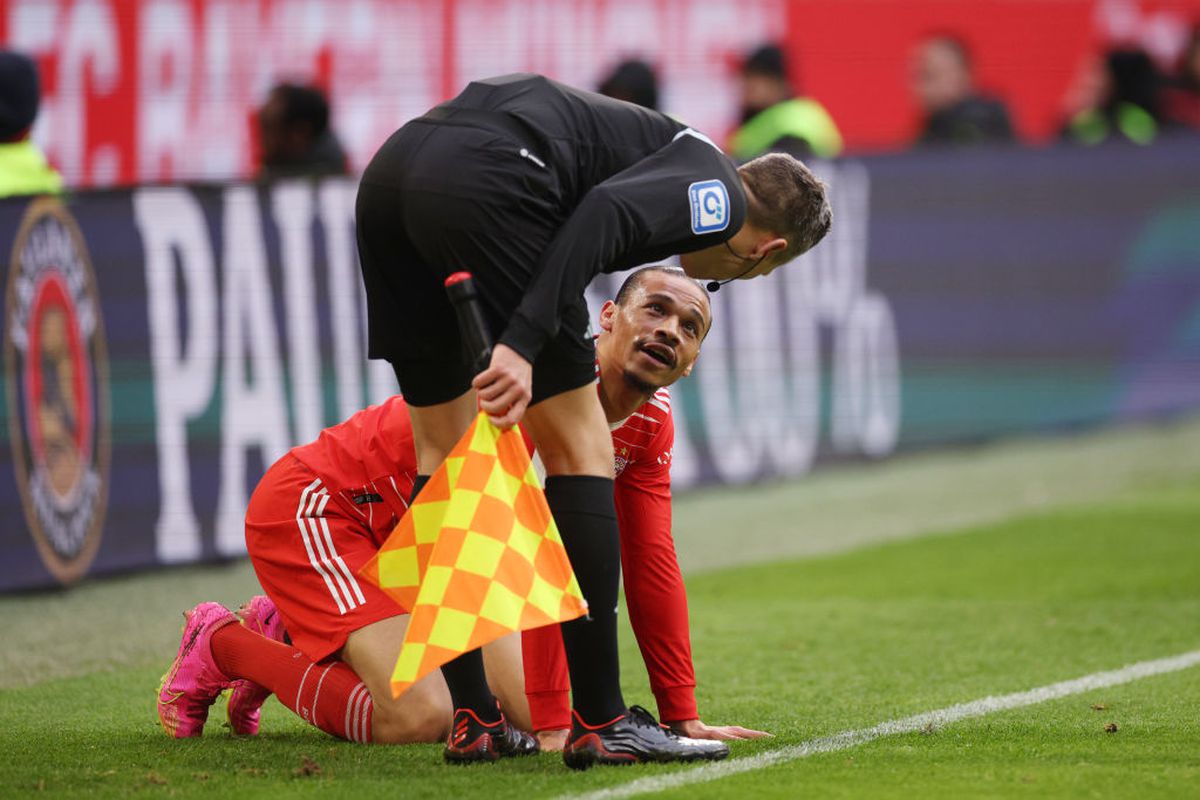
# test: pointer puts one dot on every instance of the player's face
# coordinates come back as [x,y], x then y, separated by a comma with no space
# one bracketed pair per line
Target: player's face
[657,330]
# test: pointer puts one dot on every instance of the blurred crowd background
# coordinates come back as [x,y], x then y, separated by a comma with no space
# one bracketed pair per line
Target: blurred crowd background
[122,92]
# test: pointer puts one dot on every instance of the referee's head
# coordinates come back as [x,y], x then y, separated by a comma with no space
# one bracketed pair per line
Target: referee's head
[787,214]
[785,198]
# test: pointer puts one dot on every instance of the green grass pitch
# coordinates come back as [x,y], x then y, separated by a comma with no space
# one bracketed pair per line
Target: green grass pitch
[1057,569]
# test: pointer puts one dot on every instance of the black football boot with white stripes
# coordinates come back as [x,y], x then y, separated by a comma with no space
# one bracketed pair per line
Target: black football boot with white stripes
[632,738]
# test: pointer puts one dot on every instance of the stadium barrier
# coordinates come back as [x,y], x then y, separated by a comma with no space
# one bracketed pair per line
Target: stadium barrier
[162,345]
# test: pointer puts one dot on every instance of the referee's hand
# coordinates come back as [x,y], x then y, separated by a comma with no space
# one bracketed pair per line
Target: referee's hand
[505,387]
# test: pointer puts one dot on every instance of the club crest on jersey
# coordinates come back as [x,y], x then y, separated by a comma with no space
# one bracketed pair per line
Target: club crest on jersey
[710,206]
[621,459]
[56,380]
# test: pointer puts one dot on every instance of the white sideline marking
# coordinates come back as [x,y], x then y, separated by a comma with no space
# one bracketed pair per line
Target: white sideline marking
[943,716]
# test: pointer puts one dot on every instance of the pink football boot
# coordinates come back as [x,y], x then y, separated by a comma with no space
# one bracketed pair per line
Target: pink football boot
[246,697]
[193,682]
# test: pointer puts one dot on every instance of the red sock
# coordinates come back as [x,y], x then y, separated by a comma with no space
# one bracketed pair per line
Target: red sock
[328,694]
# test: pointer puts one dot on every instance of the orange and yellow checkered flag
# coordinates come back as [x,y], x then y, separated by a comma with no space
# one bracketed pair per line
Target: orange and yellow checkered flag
[476,557]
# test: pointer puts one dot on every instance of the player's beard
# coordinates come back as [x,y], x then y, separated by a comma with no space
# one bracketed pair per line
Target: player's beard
[639,384]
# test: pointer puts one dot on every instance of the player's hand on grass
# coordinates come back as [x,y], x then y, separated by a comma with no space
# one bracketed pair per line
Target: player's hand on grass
[505,387]
[696,729]
[552,741]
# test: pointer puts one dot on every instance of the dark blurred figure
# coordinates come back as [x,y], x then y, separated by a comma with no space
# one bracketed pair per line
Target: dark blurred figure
[23,167]
[1181,97]
[1124,103]
[294,134]
[774,118]
[633,81]
[956,113]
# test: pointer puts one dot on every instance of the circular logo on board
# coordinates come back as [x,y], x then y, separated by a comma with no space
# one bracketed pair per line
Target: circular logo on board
[56,381]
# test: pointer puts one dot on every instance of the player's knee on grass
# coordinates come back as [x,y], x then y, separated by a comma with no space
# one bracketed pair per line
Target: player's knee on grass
[422,717]
[421,714]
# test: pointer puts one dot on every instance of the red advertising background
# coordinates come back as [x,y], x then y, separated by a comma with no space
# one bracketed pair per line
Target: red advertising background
[854,54]
[151,90]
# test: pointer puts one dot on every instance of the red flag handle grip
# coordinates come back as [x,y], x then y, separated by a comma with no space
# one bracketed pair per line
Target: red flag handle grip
[477,341]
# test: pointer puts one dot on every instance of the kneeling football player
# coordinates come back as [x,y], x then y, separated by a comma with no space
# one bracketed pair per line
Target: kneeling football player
[325,642]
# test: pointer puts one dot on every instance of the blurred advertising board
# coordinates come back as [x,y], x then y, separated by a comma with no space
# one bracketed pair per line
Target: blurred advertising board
[163,345]
[140,91]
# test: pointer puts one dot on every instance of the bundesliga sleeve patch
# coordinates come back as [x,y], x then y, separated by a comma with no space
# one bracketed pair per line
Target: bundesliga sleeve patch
[710,206]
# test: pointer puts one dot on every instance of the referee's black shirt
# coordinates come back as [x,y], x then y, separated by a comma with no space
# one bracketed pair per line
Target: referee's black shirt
[635,186]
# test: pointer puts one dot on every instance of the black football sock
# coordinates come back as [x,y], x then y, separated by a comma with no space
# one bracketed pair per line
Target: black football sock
[464,675]
[467,682]
[583,509]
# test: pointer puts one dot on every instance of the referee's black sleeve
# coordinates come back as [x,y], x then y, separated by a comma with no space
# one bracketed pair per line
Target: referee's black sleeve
[642,214]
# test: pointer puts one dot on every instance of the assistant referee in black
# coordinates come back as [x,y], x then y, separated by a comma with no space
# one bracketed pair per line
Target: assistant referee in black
[535,187]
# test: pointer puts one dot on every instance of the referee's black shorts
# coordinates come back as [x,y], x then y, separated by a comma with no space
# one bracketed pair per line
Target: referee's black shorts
[437,199]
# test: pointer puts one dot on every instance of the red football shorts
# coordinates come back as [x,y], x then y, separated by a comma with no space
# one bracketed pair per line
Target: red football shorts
[306,549]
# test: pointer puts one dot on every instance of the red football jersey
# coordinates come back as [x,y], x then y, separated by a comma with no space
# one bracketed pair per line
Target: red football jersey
[369,464]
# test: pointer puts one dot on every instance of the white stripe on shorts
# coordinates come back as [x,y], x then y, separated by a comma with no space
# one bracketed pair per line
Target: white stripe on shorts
[316,536]
[302,511]
[341,565]
[338,561]
[324,546]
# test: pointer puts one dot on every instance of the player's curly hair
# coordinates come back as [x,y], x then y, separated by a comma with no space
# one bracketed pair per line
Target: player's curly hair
[787,200]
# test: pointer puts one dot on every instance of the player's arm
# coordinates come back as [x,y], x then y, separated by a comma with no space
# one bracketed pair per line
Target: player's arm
[547,684]
[655,593]
[656,596]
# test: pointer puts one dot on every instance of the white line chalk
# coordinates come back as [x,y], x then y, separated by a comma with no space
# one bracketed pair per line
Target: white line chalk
[944,716]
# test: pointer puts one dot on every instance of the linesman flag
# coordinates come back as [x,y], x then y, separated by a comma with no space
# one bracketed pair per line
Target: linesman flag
[476,557]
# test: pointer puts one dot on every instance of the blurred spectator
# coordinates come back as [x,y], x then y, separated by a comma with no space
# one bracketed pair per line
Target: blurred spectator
[774,118]
[955,112]
[1181,100]
[23,168]
[1124,101]
[294,134]
[633,81]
